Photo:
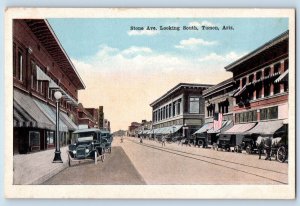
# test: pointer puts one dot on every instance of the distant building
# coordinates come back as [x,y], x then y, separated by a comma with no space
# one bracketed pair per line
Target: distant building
[132,129]
[183,105]
[106,125]
[85,118]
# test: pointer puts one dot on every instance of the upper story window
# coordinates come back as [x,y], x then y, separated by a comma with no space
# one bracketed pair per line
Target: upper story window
[251,77]
[179,107]
[286,65]
[20,66]
[210,110]
[269,113]
[276,68]
[194,105]
[243,82]
[258,75]
[267,72]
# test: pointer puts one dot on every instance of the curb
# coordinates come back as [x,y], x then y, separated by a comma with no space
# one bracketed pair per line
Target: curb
[52,173]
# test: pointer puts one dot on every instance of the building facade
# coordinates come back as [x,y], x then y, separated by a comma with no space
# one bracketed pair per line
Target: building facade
[87,117]
[133,129]
[260,104]
[218,100]
[181,106]
[41,67]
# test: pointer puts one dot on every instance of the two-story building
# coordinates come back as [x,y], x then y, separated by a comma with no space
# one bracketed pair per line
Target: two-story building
[181,110]
[260,104]
[40,67]
[218,100]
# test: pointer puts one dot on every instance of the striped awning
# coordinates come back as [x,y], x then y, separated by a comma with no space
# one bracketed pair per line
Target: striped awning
[266,128]
[50,113]
[239,128]
[204,128]
[28,114]
[167,130]
[21,117]
[68,121]
[225,126]
[283,77]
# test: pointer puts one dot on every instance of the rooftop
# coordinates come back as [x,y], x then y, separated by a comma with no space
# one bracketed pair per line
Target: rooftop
[179,86]
[45,34]
[274,41]
[217,87]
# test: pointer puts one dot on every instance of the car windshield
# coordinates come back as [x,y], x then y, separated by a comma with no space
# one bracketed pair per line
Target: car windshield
[86,136]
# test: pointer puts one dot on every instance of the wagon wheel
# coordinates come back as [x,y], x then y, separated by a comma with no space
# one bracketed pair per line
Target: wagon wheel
[282,154]
[249,149]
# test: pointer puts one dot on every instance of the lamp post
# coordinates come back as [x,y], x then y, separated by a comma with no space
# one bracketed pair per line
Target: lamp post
[57,157]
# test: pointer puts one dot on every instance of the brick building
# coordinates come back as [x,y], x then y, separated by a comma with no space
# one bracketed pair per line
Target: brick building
[260,104]
[218,100]
[87,117]
[183,105]
[40,67]
[132,129]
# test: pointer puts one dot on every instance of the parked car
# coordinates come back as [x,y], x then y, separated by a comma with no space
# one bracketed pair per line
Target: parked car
[248,144]
[229,142]
[89,145]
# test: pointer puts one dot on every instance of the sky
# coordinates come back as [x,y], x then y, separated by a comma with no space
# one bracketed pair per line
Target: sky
[125,69]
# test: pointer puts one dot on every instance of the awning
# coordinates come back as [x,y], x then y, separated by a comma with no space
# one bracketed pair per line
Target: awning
[266,128]
[26,111]
[225,126]
[240,91]
[41,76]
[204,128]
[239,128]
[167,130]
[68,121]
[51,115]
[21,117]
[283,77]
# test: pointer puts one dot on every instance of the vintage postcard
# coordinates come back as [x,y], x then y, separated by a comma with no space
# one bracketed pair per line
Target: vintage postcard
[150,103]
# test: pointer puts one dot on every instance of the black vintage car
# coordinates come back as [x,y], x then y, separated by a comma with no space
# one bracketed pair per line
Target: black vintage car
[90,144]
[228,142]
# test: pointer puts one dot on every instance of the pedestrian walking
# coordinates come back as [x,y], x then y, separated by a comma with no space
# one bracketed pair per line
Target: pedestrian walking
[122,139]
[163,141]
[141,140]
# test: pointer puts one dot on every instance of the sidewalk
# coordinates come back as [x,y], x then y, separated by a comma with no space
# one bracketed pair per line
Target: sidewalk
[37,167]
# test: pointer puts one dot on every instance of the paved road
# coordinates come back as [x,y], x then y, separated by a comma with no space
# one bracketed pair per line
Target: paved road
[149,163]
[116,169]
[175,164]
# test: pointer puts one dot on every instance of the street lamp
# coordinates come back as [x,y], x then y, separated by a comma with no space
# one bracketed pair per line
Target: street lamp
[57,157]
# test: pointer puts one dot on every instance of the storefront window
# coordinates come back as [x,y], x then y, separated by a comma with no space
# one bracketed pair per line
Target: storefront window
[50,138]
[34,141]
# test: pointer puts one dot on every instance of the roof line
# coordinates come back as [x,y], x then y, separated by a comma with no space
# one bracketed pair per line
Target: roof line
[268,44]
[63,50]
[176,88]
